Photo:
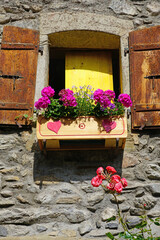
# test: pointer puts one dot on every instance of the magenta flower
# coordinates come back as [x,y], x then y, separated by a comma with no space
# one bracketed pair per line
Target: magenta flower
[47,92]
[125,100]
[110,94]
[42,103]
[100,96]
[66,96]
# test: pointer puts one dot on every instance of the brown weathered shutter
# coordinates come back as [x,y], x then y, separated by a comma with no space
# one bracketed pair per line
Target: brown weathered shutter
[18,64]
[144,49]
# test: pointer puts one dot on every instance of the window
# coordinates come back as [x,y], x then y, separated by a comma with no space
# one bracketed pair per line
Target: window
[91,58]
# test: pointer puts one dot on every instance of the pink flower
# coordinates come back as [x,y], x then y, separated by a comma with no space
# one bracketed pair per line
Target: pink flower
[96,181]
[66,96]
[47,92]
[110,94]
[125,100]
[42,102]
[100,97]
[111,170]
[118,187]
[124,182]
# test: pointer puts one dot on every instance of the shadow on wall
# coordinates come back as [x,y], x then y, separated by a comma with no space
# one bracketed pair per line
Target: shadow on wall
[70,166]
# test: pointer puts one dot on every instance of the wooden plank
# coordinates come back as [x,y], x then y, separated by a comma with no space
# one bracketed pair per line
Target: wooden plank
[52,144]
[16,35]
[141,47]
[4,105]
[71,129]
[147,107]
[110,143]
[89,68]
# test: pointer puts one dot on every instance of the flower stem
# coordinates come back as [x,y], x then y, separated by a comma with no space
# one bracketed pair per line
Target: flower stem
[119,215]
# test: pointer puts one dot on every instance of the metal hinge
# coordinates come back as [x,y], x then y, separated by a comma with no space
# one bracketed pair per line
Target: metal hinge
[126,50]
[41,48]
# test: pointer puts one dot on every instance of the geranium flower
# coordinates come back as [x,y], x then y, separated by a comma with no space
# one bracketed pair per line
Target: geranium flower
[118,187]
[42,102]
[124,182]
[110,94]
[96,181]
[111,170]
[47,92]
[125,100]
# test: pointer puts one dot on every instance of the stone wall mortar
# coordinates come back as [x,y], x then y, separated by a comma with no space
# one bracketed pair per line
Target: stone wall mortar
[26,13]
[53,194]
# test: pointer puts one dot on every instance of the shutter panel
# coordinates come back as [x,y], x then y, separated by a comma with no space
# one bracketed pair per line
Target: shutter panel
[18,64]
[144,49]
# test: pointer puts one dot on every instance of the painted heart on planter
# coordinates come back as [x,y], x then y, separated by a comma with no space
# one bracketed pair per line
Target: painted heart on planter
[54,126]
[108,125]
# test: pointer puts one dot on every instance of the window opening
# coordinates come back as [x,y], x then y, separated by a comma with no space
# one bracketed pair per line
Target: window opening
[57,67]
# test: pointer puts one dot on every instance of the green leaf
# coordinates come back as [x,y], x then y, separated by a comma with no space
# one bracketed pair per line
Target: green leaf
[25,115]
[141,225]
[110,235]
[157,223]
[111,219]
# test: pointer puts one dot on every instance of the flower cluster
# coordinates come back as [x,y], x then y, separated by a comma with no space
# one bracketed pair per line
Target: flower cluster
[43,102]
[114,182]
[67,97]
[125,100]
[82,101]
[103,97]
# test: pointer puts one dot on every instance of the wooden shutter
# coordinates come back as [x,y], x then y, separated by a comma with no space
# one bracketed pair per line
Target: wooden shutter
[18,64]
[144,49]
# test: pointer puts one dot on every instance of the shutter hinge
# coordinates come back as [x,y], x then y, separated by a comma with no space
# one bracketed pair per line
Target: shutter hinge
[41,48]
[128,113]
[126,50]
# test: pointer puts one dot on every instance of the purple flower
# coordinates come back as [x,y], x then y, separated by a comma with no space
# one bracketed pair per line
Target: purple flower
[125,100]
[42,103]
[47,92]
[112,106]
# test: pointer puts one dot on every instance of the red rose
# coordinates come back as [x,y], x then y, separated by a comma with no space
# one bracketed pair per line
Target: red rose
[111,170]
[124,182]
[96,181]
[118,187]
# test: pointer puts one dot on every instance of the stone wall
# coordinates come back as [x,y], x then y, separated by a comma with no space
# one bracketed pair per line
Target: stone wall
[52,194]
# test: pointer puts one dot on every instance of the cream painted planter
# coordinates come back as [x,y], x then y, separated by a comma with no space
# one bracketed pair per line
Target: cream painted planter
[81,133]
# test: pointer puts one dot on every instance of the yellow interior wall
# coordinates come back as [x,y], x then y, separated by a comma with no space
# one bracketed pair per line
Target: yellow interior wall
[89,68]
[84,39]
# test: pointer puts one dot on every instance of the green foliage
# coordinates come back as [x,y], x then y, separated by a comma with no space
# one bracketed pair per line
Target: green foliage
[56,110]
[85,106]
[85,102]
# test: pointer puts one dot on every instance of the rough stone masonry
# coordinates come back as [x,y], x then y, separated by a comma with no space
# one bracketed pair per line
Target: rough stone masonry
[53,195]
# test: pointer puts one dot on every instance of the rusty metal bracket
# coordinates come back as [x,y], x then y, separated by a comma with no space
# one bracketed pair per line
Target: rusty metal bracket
[126,50]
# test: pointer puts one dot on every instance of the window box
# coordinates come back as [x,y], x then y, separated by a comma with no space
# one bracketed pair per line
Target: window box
[80,133]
